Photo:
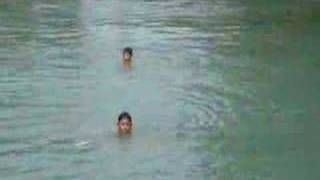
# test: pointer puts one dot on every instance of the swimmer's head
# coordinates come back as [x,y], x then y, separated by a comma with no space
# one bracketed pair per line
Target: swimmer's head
[127,54]
[124,123]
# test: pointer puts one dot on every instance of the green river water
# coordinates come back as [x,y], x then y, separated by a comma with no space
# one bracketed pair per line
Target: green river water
[220,89]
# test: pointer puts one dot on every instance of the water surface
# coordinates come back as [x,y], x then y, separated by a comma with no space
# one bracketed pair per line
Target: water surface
[219,89]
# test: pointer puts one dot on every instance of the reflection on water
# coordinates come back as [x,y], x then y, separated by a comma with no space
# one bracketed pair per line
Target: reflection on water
[219,89]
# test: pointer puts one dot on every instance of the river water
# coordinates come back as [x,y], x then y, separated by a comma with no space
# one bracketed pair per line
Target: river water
[218,90]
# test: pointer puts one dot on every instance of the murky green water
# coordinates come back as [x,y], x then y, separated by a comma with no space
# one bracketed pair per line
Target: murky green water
[220,89]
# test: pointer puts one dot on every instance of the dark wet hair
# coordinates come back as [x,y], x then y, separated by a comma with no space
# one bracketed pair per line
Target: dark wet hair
[128,50]
[124,115]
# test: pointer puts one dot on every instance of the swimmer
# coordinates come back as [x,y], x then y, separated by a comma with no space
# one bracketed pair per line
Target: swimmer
[124,123]
[127,54]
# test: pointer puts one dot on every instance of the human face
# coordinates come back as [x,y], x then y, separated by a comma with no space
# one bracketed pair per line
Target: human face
[126,56]
[124,126]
